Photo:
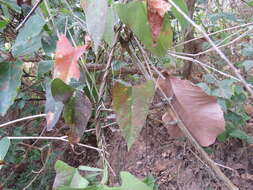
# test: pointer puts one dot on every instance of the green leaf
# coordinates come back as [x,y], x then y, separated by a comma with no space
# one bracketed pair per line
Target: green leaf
[248,64]
[11,4]
[204,87]
[96,14]
[247,51]
[238,133]
[223,136]
[68,177]
[182,5]
[29,38]
[150,181]
[49,43]
[44,67]
[209,78]
[227,16]
[3,24]
[53,109]
[90,169]
[250,3]
[131,106]
[111,19]
[4,147]
[69,111]
[61,91]
[10,80]
[129,182]
[225,89]
[222,104]
[137,21]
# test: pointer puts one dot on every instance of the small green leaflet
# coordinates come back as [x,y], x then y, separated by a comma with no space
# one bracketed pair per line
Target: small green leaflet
[11,4]
[248,64]
[4,147]
[68,177]
[44,67]
[129,182]
[10,80]
[131,105]
[182,5]
[250,3]
[29,38]
[225,89]
[137,21]
[61,91]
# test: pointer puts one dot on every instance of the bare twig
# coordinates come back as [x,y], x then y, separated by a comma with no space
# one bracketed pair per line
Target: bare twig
[22,119]
[222,55]
[63,138]
[108,65]
[225,45]
[29,15]
[105,126]
[213,33]
[204,65]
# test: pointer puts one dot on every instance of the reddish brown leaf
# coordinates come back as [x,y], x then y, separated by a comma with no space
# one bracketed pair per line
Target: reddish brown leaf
[66,60]
[200,112]
[156,12]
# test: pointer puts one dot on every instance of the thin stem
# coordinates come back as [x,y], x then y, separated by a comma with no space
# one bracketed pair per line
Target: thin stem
[222,55]
[213,33]
[222,46]
[204,65]
[29,15]
[63,138]
[105,126]
[22,119]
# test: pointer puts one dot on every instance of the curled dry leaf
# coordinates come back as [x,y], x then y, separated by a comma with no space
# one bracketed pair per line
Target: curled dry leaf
[66,60]
[156,12]
[199,112]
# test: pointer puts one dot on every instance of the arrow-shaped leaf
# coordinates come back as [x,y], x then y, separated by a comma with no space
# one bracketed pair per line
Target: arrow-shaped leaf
[131,106]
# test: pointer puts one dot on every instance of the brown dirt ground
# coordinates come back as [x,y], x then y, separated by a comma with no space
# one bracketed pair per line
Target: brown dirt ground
[174,163]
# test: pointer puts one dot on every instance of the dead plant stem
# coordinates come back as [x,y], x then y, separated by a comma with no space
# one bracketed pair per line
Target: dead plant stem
[222,55]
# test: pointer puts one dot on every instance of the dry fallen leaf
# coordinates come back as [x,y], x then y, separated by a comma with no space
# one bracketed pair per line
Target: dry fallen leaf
[199,112]
[156,12]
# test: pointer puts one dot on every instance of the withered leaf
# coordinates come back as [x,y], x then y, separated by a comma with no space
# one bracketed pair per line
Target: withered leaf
[199,112]
[156,12]
[66,60]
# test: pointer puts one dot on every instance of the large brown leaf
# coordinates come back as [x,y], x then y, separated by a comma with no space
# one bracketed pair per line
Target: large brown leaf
[199,112]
